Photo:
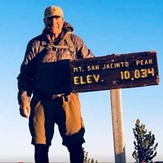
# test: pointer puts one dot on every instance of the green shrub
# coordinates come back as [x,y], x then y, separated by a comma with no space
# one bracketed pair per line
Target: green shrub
[88,160]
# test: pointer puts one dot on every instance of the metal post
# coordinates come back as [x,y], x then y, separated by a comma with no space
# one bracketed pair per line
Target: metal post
[117,123]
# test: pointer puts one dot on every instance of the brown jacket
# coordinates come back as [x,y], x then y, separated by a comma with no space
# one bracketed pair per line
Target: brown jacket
[41,50]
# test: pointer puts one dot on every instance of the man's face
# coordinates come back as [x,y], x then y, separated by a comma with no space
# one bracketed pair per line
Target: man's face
[54,24]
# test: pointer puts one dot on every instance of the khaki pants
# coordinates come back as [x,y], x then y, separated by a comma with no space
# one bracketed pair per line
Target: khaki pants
[66,114]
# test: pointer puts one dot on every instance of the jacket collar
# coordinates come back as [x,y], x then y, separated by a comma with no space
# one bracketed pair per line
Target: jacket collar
[45,37]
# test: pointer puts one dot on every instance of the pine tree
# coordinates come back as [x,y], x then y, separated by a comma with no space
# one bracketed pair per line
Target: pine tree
[144,144]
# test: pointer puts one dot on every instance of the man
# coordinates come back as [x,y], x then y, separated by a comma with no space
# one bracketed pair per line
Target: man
[54,44]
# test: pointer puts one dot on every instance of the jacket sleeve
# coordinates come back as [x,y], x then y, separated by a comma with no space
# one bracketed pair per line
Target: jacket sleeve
[81,49]
[25,77]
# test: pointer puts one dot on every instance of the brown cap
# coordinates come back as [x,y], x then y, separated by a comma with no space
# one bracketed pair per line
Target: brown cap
[53,11]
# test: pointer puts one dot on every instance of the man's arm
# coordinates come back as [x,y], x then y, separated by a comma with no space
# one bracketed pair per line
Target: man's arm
[25,81]
[25,76]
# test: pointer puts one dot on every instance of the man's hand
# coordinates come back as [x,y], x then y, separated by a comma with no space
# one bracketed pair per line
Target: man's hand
[25,109]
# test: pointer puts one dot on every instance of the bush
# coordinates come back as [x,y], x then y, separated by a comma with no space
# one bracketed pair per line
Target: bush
[88,160]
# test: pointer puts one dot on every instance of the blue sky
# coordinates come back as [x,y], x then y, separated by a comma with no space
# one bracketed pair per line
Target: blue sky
[107,27]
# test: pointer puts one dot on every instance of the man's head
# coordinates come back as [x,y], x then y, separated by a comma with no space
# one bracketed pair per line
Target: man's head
[53,19]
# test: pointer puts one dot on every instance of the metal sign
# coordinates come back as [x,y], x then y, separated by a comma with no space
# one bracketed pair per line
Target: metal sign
[114,71]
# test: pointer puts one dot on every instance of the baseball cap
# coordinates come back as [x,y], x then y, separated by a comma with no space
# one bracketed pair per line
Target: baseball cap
[53,11]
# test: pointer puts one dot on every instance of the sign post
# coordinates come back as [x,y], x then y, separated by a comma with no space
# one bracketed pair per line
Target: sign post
[115,72]
[117,124]
[111,72]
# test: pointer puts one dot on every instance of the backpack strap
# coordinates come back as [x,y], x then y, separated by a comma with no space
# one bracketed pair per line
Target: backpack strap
[70,44]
